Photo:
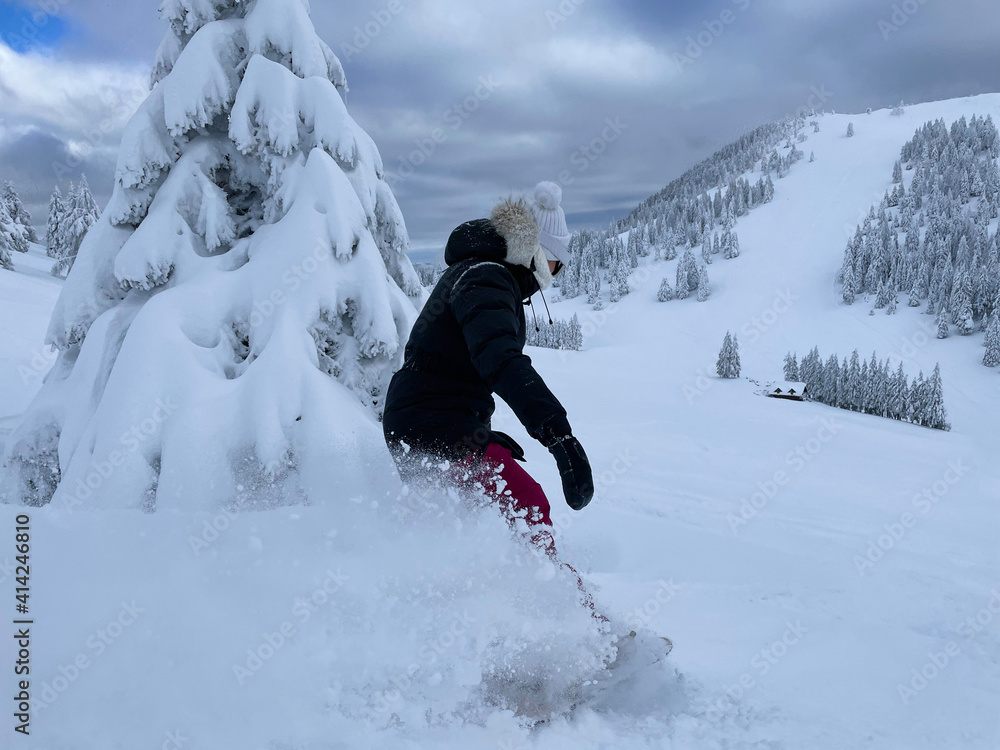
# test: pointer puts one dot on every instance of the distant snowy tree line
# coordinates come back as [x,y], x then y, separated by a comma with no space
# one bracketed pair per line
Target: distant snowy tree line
[68,222]
[932,241]
[686,215]
[561,334]
[16,230]
[429,273]
[681,205]
[871,387]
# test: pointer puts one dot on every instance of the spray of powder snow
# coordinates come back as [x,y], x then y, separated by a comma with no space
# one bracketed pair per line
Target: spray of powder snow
[451,615]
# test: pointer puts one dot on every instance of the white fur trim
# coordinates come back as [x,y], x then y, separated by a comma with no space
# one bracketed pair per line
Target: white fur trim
[515,222]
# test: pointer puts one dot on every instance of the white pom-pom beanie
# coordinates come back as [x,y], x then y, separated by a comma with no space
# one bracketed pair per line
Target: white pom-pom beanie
[553,234]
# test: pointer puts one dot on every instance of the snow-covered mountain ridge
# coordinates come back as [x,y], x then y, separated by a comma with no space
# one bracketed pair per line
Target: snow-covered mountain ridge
[853,604]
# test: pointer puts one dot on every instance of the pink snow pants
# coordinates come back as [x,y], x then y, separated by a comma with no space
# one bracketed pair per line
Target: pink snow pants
[517,494]
[520,496]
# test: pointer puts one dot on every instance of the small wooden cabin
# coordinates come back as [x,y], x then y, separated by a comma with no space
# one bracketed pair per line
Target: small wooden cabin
[789,391]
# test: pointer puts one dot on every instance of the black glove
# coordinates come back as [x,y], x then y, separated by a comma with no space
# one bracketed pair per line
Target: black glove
[574,468]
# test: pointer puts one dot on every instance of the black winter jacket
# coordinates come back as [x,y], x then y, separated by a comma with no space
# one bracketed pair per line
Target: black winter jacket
[467,344]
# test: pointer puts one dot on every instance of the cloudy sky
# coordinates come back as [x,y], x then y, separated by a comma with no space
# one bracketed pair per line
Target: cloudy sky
[614,98]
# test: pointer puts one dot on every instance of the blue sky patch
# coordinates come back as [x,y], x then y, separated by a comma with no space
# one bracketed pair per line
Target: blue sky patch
[24,28]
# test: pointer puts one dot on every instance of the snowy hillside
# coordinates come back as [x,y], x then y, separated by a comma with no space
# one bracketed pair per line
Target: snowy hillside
[26,300]
[829,579]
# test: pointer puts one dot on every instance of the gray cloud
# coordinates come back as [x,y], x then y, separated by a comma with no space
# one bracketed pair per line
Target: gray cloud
[616,60]
[36,161]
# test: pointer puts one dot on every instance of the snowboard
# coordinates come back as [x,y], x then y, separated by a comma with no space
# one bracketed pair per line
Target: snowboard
[636,653]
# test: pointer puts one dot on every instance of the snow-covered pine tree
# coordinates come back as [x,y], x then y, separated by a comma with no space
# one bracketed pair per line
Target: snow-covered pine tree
[897,172]
[243,299]
[850,130]
[882,300]
[917,406]
[12,234]
[681,279]
[852,395]
[728,364]
[937,416]
[992,356]
[666,292]
[850,285]
[704,290]
[691,265]
[831,380]
[732,249]
[942,323]
[593,285]
[81,214]
[18,212]
[53,226]
[961,303]
[791,368]
[6,239]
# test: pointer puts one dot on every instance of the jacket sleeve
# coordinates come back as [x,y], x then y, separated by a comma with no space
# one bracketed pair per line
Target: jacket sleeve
[484,301]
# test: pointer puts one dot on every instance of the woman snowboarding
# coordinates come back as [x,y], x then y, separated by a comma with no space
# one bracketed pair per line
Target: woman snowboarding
[467,344]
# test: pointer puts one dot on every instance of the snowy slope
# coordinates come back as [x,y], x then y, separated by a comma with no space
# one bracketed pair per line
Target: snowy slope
[781,640]
[26,299]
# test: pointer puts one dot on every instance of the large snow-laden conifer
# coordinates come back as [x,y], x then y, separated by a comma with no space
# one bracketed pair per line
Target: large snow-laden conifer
[13,237]
[19,214]
[232,319]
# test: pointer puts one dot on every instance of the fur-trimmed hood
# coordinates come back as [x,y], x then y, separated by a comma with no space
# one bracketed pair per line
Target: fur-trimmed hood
[509,235]
[515,222]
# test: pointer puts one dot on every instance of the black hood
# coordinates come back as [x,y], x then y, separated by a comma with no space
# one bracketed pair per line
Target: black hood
[479,239]
[475,239]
